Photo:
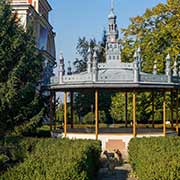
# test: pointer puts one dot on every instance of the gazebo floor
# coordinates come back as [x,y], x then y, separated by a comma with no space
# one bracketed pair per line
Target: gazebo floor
[116,130]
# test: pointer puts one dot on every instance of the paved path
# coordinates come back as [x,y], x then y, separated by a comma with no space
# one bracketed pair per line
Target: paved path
[120,173]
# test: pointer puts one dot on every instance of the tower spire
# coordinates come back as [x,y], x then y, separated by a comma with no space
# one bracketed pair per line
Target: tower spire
[113,31]
[112,44]
[112,5]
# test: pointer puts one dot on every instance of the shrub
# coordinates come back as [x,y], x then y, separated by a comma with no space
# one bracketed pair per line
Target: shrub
[155,158]
[14,150]
[89,118]
[61,159]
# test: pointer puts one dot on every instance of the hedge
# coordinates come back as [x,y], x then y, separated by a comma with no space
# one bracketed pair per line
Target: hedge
[60,159]
[156,158]
[14,150]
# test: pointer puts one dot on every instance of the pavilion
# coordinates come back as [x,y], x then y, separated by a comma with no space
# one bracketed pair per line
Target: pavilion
[115,75]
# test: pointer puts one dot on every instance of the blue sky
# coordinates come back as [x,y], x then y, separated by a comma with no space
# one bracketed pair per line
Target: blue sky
[72,19]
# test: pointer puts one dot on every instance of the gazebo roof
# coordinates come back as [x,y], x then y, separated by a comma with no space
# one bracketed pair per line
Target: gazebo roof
[115,75]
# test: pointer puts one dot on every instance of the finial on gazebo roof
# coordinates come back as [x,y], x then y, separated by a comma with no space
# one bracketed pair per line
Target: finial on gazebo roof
[89,60]
[95,66]
[175,68]
[135,55]
[155,67]
[95,55]
[89,50]
[69,72]
[61,58]
[168,67]
[168,57]
[61,71]
[89,55]
[136,66]
[139,50]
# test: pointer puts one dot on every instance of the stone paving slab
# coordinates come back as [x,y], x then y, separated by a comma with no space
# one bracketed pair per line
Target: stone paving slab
[120,173]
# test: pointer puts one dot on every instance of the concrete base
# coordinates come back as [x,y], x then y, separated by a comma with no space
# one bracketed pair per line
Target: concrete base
[111,142]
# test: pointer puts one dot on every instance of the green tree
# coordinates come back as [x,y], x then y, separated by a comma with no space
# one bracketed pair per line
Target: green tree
[157,32]
[89,118]
[21,107]
[117,109]
[82,50]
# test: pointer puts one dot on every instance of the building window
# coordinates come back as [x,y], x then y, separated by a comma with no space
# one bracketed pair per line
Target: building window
[117,57]
[114,57]
[109,57]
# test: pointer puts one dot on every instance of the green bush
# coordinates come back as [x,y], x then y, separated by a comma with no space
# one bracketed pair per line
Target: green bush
[61,159]
[155,158]
[14,150]
[89,118]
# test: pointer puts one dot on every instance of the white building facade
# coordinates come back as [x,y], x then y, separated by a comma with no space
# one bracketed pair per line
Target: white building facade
[36,14]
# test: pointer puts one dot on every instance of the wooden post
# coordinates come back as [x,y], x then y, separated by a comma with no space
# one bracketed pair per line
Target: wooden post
[134,114]
[65,113]
[164,113]
[177,113]
[72,111]
[126,109]
[54,113]
[153,109]
[172,116]
[97,112]
[50,111]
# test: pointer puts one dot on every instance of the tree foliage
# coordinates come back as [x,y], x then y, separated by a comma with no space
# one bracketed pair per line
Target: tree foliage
[21,67]
[157,32]
[89,118]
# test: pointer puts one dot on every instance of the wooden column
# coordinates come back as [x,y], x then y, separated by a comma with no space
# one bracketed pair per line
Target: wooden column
[177,113]
[134,114]
[97,113]
[153,109]
[72,111]
[65,113]
[126,109]
[50,111]
[164,113]
[172,116]
[54,113]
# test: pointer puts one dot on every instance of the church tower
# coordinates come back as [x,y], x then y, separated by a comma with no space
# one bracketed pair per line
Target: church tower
[112,46]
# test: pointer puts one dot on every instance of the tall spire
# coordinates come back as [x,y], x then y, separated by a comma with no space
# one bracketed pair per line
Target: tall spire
[112,14]
[112,5]
[112,44]
[113,31]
